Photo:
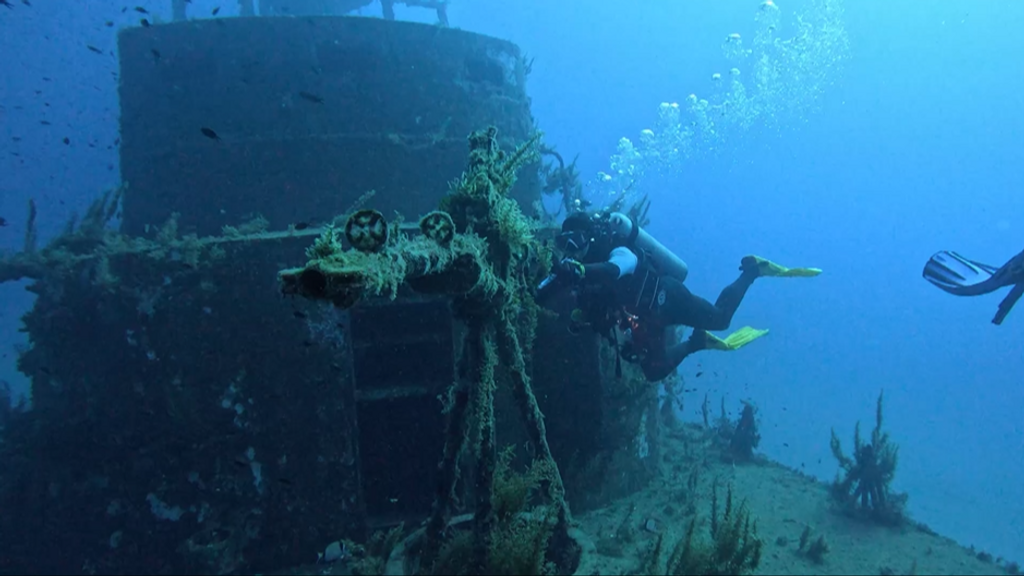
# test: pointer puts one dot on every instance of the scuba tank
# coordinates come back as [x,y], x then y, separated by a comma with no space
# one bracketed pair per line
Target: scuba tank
[633,236]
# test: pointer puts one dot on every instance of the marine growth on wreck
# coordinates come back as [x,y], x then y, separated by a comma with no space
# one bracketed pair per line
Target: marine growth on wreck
[477,248]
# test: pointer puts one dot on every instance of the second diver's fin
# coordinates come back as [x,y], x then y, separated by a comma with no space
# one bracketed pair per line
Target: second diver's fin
[1007,304]
[766,267]
[734,341]
[961,276]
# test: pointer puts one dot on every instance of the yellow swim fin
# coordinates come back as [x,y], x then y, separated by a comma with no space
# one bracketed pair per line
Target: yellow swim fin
[734,341]
[768,268]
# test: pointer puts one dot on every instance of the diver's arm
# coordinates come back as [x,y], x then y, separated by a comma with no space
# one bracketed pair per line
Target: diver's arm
[621,262]
[570,273]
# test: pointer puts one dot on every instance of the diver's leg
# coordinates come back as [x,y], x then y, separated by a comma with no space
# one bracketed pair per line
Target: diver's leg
[656,363]
[683,307]
[659,363]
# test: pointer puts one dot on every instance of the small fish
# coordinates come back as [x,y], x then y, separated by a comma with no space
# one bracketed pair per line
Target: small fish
[3,221]
[698,375]
[141,10]
[307,343]
[301,225]
[8,4]
[94,49]
[285,481]
[109,24]
[312,97]
[786,444]
[66,140]
[16,138]
[144,22]
[124,9]
[215,11]
[155,52]
[299,315]
[209,134]
[26,2]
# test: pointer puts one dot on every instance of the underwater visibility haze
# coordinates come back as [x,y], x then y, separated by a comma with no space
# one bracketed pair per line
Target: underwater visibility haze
[341,286]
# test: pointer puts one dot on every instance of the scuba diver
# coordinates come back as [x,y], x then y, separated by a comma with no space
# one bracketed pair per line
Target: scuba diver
[963,277]
[622,278]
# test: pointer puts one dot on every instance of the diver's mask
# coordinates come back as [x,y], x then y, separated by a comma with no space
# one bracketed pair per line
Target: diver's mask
[573,243]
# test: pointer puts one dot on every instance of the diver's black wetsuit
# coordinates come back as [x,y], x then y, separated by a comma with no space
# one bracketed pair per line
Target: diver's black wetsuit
[670,302]
[622,284]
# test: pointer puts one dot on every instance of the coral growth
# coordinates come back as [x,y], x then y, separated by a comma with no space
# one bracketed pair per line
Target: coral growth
[742,436]
[484,263]
[520,534]
[86,248]
[745,437]
[345,276]
[563,180]
[734,547]
[814,550]
[372,557]
[862,485]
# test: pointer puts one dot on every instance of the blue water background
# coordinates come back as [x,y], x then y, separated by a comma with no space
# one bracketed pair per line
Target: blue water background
[917,147]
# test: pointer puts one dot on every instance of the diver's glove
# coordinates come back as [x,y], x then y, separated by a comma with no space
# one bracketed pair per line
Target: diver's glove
[570,271]
[764,267]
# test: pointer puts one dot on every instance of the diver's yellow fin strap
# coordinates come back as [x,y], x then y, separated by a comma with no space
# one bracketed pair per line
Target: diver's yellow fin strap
[768,268]
[734,341]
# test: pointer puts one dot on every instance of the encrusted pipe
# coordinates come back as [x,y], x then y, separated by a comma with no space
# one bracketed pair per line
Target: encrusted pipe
[512,356]
[455,441]
[483,402]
